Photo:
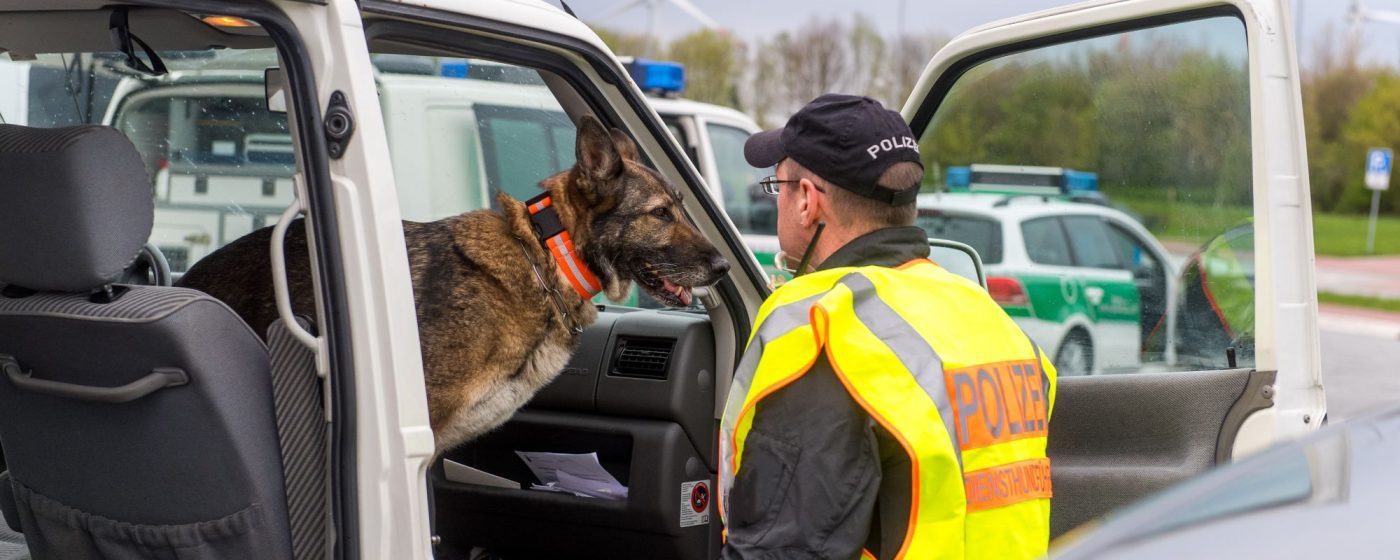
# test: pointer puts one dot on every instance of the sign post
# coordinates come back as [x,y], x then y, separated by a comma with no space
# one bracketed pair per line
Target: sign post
[1378,165]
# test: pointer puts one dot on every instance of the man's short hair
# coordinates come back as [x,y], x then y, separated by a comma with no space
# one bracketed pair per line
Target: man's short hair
[852,209]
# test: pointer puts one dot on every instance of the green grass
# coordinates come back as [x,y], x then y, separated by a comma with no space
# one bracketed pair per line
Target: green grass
[1359,301]
[1342,235]
[1338,235]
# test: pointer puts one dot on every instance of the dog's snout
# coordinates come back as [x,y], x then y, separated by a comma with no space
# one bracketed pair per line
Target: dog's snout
[718,265]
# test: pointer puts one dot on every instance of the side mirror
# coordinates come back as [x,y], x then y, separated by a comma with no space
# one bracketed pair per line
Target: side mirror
[276,90]
[959,259]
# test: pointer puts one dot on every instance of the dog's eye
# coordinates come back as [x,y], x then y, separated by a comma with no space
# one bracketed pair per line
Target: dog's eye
[663,213]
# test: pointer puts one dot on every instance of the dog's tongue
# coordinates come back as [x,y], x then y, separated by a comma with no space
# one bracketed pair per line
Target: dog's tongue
[681,292]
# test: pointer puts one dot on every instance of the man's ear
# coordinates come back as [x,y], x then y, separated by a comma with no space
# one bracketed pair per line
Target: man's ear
[624,144]
[597,155]
[809,207]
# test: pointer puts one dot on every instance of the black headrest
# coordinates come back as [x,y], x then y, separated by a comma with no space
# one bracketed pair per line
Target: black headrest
[75,206]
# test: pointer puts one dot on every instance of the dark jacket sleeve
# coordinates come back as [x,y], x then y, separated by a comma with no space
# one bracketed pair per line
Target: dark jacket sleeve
[808,483]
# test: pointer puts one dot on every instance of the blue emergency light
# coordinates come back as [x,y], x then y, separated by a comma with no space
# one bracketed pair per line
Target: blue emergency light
[657,76]
[1080,182]
[453,69]
[1031,181]
[958,178]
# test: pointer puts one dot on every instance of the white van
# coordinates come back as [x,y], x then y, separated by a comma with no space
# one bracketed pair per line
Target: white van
[217,181]
[357,466]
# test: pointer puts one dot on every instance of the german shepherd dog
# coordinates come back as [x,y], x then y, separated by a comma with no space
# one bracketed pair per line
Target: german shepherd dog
[491,336]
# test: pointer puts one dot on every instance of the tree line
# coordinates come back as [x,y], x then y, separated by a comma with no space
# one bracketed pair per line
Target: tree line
[1158,116]
[770,78]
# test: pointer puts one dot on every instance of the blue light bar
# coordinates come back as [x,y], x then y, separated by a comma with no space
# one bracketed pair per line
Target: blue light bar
[453,69]
[958,178]
[1081,181]
[658,75]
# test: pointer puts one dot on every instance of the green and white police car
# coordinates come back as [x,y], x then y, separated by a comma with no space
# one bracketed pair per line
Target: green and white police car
[1086,281]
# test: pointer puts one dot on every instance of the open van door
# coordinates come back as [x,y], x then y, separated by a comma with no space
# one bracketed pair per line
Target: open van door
[452,103]
[1190,113]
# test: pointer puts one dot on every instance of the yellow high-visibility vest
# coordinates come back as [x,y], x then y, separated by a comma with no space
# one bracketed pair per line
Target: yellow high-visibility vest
[945,371]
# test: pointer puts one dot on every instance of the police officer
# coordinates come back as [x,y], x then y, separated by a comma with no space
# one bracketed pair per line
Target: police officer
[884,407]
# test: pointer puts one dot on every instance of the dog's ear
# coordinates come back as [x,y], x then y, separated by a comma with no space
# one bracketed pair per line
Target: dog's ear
[597,155]
[624,144]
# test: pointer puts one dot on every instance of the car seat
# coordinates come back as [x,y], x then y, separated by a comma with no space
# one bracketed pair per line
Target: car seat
[137,421]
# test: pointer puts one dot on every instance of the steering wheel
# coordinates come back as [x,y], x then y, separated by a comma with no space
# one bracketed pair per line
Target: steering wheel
[149,269]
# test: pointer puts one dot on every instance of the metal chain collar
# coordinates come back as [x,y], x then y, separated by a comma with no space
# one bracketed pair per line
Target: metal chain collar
[565,320]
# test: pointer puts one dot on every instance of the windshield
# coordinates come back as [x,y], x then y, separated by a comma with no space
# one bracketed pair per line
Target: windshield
[220,162]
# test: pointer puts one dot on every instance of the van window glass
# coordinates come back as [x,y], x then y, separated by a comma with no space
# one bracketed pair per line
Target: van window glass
[523,146]
[1045,242]
[463,130]
[673,124]
[1148,125]
[1090,243]
[982,234]
[752,210]
[220,163]
[1149,275]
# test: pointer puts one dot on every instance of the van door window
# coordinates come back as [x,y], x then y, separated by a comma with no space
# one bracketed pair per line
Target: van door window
[461,130]
[523,146]
[1149,125]
[744,201]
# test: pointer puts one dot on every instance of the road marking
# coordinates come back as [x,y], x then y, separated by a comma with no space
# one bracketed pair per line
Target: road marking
[1361,326]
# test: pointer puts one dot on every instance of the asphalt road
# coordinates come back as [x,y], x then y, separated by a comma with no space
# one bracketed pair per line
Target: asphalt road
[1359,372]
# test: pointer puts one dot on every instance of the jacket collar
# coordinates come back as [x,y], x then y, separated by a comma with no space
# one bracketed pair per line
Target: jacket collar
[552,235]
[889,247]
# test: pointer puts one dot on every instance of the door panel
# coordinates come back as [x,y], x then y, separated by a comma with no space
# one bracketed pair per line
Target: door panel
[1164,428]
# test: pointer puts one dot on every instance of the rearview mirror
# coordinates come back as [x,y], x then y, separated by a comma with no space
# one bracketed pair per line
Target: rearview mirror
[959,259]
[276,90]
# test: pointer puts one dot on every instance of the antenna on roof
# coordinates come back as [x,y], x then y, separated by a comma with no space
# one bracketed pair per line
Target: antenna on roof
[567,9]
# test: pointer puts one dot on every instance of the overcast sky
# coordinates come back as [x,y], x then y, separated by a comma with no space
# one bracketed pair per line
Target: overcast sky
[749,19]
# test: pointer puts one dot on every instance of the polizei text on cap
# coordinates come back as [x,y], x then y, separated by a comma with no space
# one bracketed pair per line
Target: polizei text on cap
[892,143]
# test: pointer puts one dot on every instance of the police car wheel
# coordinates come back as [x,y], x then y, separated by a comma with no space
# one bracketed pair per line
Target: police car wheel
[1076,355]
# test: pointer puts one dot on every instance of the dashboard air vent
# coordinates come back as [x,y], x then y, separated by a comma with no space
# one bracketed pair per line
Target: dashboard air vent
[643,358]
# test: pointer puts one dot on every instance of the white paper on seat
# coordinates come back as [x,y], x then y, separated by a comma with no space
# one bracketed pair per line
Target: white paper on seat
[457,472]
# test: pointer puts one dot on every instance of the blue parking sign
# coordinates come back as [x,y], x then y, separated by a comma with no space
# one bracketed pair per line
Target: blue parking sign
[1378,164]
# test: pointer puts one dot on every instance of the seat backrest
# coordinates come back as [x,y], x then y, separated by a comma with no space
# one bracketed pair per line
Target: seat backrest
[136,421]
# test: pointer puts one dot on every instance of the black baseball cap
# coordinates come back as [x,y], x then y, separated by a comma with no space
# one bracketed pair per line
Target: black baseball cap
[846,139]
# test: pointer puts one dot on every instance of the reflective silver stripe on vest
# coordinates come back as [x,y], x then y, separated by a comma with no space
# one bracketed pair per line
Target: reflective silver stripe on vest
[780,321]
[1040,367]
[907,344]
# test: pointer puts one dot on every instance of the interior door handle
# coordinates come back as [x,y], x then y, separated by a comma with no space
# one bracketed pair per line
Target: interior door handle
[158,379]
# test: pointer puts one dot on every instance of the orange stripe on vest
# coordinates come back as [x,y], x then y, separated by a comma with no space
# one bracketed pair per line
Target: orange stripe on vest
[1004,485]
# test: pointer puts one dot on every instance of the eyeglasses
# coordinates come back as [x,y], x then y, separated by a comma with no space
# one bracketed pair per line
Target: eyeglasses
[771,182]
